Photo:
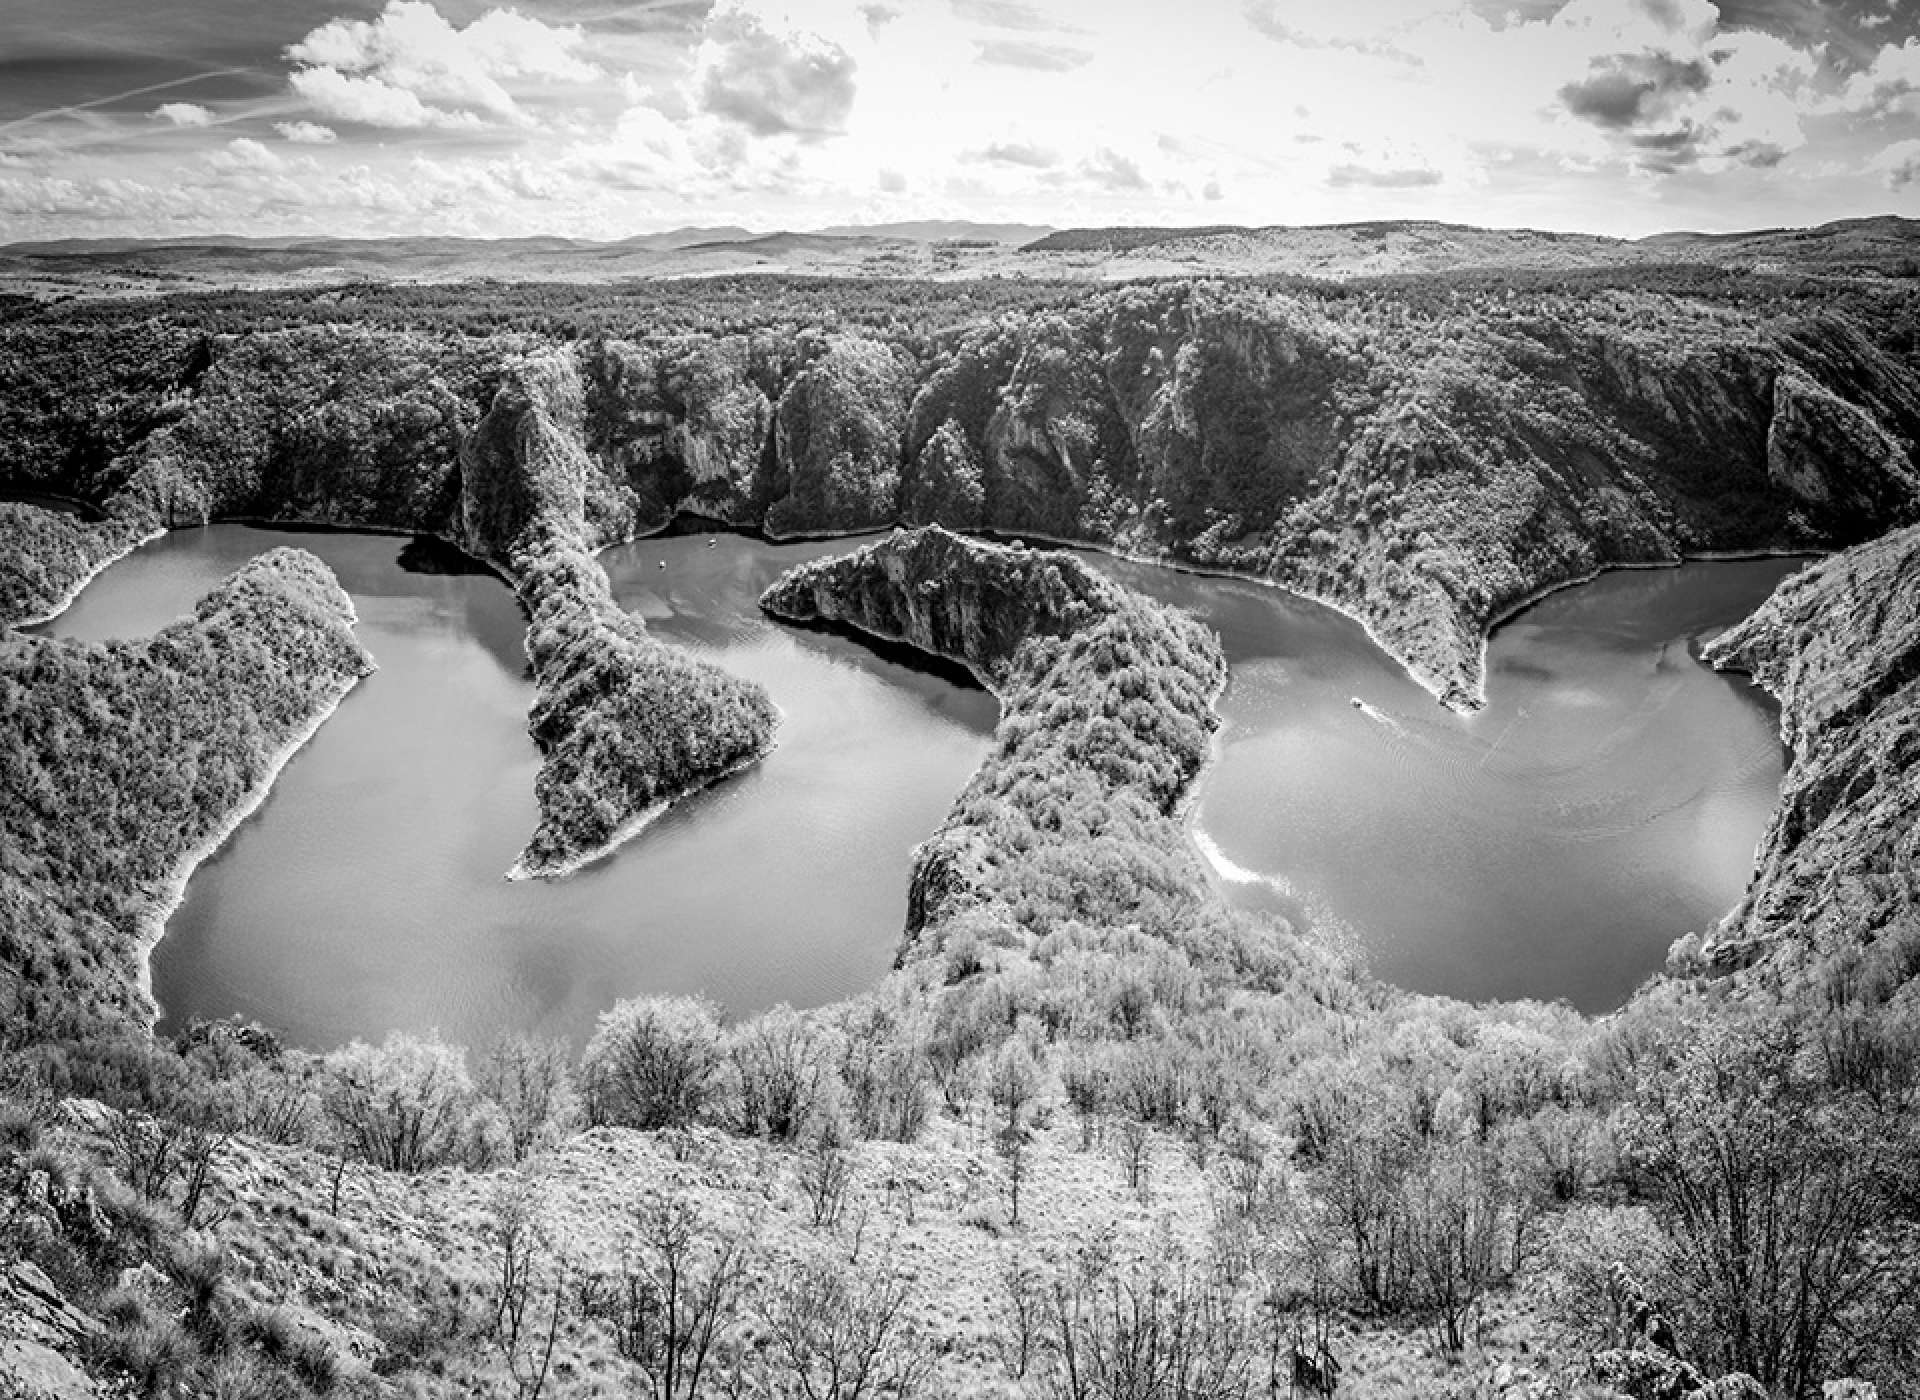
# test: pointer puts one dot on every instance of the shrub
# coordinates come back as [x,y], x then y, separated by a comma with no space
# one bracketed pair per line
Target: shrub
[784,1073]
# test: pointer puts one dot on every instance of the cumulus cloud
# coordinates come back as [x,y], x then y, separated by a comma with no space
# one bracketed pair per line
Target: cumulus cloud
[773,80]
[1696,95]
[1898,165]
[411,67]
[245,153]
[1888,83]
[371,101]
[183,114]
[1109,170]
[306,133]
[1626,91]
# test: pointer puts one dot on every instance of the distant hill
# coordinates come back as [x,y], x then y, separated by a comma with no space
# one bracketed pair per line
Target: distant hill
[944,250]
[1119,240]
[943,231]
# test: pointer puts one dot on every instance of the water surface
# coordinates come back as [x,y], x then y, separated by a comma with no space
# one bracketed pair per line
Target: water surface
[1607,800]
[367,891]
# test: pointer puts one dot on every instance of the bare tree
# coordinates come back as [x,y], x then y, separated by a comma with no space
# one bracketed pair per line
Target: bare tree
[674,1307]
[838,1329]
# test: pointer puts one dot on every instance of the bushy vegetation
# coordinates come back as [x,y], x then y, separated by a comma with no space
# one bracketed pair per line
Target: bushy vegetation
[121,761]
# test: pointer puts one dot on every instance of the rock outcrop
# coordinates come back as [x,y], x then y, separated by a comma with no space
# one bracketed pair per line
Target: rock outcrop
[1106,714]
[1839,644]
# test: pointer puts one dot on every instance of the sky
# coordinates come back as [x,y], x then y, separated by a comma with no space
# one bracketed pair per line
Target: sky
[598,119]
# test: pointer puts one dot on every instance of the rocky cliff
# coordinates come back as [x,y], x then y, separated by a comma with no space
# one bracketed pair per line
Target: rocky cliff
[1106,714]
[124,764]
[1427,455]
[1839,867]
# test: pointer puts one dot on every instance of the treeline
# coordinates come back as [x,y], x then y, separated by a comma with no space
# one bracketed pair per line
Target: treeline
[120,759]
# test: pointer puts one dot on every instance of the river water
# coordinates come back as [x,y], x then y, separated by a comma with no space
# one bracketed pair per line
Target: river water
[1607,800]
[366,893]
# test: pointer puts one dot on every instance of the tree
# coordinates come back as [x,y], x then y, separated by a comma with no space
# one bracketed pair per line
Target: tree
[674,1307]
[407,1104]
[1786,1200]
[838,1328]
[531,1081]
[653,1062]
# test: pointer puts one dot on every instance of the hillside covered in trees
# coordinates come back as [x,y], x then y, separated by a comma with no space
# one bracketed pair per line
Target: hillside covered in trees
[1097,1135]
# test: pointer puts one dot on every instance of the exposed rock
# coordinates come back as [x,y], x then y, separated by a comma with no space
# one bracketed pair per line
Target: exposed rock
[1736,1385]
[31,1300]
[1849,1390]
[1647,1375]
[1839,644]
[30,1371]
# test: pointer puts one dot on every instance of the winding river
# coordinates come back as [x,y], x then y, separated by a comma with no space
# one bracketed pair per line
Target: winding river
[1607,800]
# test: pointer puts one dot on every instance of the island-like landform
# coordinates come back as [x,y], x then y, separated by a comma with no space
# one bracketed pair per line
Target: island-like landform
[1095,1133]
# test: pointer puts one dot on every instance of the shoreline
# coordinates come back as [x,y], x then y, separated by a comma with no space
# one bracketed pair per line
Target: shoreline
[79,585]
[634,825]
[159,905]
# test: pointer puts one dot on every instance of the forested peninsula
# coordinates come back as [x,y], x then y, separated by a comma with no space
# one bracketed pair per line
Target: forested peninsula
[126,763]
[1106,716]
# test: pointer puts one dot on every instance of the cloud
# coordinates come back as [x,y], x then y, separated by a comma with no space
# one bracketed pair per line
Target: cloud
[1001,14]
[1885,85]
[370,101]
[1020,153]
[1266,17]
[410,67]
[306,133]
[1898,165]
[1023,53]
[1110,170]
[1624,91]
[183,114]
[773,82]
[1348,176]
[245,153]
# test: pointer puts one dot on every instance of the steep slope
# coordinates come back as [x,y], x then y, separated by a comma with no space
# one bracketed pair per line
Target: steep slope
[1839,868]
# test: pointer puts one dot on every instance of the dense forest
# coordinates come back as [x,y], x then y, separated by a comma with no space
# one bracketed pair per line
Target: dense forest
[124,761]
[1096,1136]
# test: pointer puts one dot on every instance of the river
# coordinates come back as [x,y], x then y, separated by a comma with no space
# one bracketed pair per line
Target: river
[1607,799]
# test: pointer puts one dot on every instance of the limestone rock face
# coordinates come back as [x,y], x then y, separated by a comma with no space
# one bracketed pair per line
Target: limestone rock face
[523,471]
[1839,644]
